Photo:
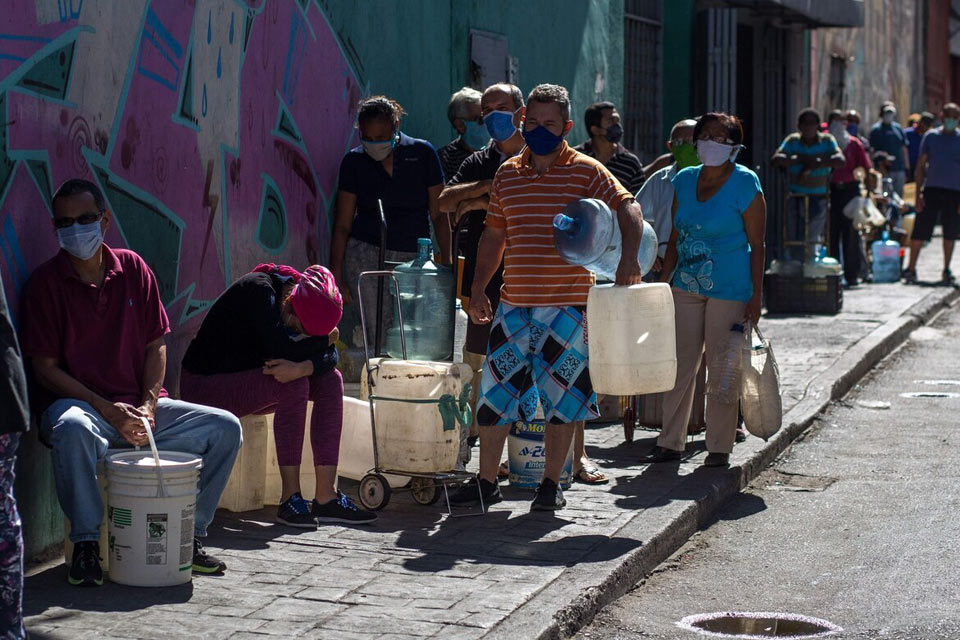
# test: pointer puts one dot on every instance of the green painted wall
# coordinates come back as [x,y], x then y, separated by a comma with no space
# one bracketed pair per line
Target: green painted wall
[34,489]
[678,18]
[417,51]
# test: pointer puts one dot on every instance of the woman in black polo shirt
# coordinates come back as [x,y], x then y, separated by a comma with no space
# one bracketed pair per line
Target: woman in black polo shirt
[402,172]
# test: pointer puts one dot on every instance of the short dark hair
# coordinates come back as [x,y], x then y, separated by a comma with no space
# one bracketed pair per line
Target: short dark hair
[731,122]
[379,108]
[836,114]
[809,112]
[547,93]
[594,114]
[928,118]
[76,186]
[511,90]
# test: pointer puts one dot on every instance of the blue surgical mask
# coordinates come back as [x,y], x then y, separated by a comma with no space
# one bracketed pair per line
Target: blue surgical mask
[475,135]
[500,125]
[542,141]
[81,240]
[852,128]
[378,150]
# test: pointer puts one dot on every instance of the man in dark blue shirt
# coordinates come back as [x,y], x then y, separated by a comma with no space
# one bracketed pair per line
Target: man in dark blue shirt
[887,135]
[914,135]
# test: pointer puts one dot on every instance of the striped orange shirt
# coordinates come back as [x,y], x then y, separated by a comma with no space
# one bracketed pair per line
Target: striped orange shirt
[525,204]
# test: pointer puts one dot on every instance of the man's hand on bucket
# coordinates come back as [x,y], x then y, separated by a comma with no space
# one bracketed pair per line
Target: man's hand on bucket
[629,271]
[128,421]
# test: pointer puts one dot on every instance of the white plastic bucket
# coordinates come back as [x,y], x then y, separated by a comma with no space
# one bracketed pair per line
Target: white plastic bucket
[151,535]
[528,456]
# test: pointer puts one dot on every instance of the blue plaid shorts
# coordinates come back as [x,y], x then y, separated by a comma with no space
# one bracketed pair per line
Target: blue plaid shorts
[536,353]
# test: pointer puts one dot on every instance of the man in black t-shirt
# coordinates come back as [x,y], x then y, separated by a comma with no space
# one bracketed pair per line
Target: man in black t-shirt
[602,121]
[467,194]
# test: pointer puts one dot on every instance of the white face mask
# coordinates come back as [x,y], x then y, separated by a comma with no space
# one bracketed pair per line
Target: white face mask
[714,154]
[838,131]
[81,240]
[888,117]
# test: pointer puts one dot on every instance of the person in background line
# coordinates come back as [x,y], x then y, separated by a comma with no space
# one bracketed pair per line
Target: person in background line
[914,135]
[537,352]
[463,112]
[14,408]
[602,121]
[853,127]
[267,345]
[94,327]
[715,263]
[808,156]
[844,187]
[468,194]
[887,135]
[402,172]
[938,191]
[656,195]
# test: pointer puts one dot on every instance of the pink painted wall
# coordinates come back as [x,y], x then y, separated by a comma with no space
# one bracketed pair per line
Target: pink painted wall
[215,128]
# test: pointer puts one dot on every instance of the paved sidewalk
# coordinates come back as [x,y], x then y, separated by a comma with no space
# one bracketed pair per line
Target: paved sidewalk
[510,573]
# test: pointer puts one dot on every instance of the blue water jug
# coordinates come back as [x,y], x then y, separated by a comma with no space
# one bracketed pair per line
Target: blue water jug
[426,299]
[886,259]
[587,234]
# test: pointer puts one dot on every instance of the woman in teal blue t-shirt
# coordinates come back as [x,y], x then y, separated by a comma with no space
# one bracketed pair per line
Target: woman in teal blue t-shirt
[715,262]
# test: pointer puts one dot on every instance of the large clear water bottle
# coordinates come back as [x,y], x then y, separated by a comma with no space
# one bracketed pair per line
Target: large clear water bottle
[725,370]
[426,299]
[587,234]
[886,259]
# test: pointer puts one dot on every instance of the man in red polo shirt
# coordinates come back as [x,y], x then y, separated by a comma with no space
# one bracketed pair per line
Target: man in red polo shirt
[94,327]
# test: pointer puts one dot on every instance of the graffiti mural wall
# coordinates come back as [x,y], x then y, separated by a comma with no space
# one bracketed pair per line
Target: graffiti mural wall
[214,127]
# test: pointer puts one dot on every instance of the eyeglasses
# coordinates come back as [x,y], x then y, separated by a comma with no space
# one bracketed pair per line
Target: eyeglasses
[83,218]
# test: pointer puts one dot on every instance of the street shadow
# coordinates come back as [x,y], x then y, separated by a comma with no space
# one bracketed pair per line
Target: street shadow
[48,589]
[742,506]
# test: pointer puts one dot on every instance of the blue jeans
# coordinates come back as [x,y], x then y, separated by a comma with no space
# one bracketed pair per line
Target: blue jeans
[80,437]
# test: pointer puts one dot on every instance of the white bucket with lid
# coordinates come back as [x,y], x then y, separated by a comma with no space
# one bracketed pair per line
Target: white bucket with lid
[150,516]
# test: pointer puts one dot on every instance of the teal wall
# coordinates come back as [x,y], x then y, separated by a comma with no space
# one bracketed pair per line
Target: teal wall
[39,510]
[417,51]
[677,62]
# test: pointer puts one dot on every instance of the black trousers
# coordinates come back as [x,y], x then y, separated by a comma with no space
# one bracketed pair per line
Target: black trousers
[842,232]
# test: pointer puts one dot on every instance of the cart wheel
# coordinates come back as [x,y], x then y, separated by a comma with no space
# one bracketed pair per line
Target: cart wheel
[424,491]
[374,491]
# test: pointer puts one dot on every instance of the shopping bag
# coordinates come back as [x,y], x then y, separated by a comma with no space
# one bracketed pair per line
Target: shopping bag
[760,392]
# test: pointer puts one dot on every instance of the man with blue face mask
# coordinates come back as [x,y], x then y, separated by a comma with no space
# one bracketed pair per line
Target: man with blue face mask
[938,191]
[537,352]
[93,327]
[467,194]
[463,112]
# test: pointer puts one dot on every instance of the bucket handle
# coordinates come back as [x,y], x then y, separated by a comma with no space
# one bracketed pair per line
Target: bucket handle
[161,489]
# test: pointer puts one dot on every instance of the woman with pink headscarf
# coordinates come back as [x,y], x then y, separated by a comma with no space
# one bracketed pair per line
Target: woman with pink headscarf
[267,346]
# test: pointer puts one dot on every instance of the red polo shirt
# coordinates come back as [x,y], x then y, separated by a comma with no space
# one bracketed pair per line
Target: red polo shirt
[98,334]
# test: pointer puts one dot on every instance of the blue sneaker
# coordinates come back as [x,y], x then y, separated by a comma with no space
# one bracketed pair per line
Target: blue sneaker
[343,510]
[295,512]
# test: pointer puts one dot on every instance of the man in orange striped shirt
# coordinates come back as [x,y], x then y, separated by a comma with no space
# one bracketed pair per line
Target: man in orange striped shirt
[537,350]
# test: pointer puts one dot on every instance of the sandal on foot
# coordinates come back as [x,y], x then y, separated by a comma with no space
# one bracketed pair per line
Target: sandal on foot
[503,471]
[591,475]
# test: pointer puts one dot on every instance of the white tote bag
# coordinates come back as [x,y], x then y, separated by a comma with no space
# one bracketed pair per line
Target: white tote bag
[760,392]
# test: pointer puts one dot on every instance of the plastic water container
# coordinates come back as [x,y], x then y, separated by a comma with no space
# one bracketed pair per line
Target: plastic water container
[356,444]
[821,265]
[459,333]
[412,435]
[886,259]
[151,522]
[426,299]
[587,234]
[527,456]
[632,339]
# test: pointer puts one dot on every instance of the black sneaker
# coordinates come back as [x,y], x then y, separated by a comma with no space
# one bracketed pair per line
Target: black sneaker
[549,497]
[717,460]
[467,495]
[341,509]
[295,512]
[947,279]
[909,276]
[85,568]
[204,562]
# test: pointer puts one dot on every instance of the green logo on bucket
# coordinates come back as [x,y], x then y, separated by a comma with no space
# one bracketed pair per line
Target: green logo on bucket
[122,517]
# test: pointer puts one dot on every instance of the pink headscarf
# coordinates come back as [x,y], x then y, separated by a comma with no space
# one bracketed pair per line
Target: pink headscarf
[315,297]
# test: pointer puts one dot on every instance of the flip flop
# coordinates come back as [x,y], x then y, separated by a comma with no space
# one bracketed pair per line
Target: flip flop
[503,471]
[591,475]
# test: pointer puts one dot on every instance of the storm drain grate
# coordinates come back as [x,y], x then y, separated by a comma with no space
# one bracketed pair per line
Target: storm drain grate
[741,624]
[930,394]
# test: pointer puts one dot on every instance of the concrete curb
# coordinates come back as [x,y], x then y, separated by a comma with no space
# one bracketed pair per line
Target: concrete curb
[563,607]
